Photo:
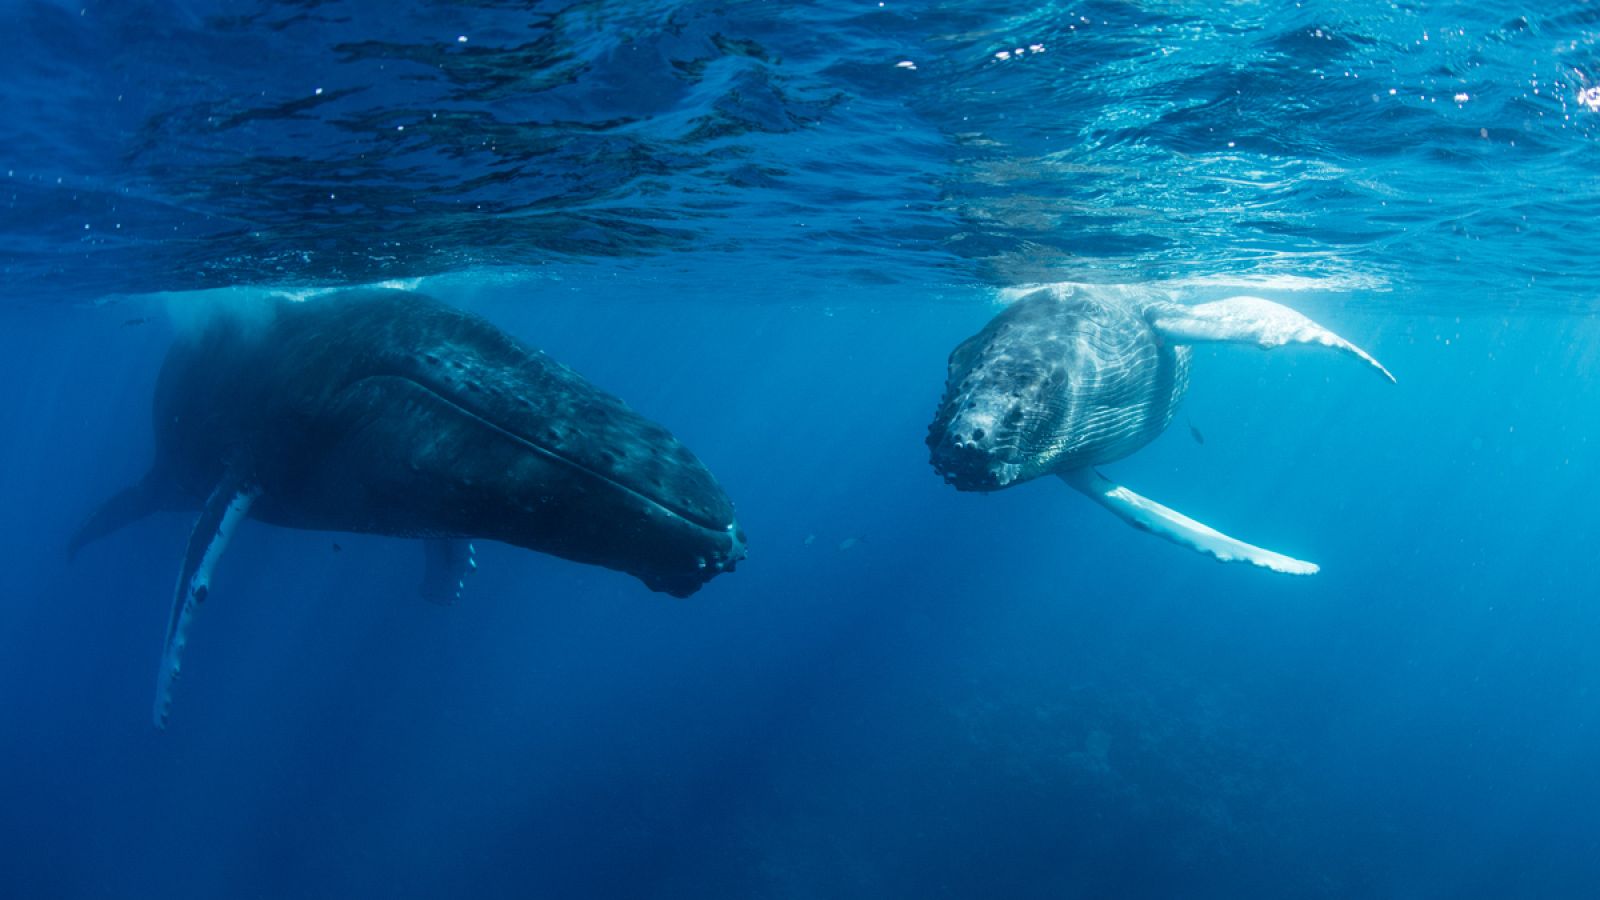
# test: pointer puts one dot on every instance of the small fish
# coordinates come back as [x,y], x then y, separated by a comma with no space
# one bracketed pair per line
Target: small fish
[849,543]
[139,321]
[337,548]
[1195,433]
[810,539]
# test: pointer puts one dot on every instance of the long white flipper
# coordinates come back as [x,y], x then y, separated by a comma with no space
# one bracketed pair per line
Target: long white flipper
[1148,515]
[227,507]
[1249,320]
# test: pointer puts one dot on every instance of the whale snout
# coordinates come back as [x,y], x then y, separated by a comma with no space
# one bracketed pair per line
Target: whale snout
[966,466]
[722,554]
[739,550]
[969,449]
[729,551]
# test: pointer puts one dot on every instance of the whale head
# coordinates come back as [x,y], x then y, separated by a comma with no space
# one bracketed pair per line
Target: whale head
[448,427]
[1057,381]
[988,428]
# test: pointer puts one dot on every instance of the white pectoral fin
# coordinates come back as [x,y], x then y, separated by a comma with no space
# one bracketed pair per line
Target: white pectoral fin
[228,505]
[1148,515]
[1249,320]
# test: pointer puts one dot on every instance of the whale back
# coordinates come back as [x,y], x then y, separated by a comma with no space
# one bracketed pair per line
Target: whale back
[1062,379]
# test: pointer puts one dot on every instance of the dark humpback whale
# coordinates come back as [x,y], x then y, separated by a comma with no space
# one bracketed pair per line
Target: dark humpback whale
[386,412]
[1070,377]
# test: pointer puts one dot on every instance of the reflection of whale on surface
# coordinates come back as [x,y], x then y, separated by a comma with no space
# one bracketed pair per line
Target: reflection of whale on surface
[388,413]
[1070,377]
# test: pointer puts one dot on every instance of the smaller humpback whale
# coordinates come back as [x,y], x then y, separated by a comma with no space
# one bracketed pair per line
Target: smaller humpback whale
[389,413]
[1073,376]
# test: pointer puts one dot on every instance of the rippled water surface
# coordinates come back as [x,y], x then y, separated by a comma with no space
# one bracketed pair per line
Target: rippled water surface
[1422,148]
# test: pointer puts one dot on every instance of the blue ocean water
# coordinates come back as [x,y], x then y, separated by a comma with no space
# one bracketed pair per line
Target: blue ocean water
[765,225]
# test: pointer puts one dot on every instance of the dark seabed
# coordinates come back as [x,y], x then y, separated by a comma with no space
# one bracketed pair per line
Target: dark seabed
[765,226]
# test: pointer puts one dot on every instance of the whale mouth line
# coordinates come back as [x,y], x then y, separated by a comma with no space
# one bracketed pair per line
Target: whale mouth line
[551,453]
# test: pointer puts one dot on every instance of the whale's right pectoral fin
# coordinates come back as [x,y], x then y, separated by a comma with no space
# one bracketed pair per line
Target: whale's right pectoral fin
[446,566]
[228,505]
[1249,320]
[1148,515]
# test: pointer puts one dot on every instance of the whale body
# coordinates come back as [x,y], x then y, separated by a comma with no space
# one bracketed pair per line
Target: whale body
[1071,377]
[387,412]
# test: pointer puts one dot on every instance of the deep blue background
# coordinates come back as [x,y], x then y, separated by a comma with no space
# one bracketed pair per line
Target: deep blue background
[753,225]
[1007,695]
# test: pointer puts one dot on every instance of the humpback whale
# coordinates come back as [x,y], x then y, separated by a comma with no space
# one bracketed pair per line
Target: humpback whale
[1070,377]
[387,412]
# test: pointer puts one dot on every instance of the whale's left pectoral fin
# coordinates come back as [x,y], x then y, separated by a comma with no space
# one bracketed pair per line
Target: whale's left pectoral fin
[1249,320]
[446,566]
[1148,515]
[151,493]
[228,505]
